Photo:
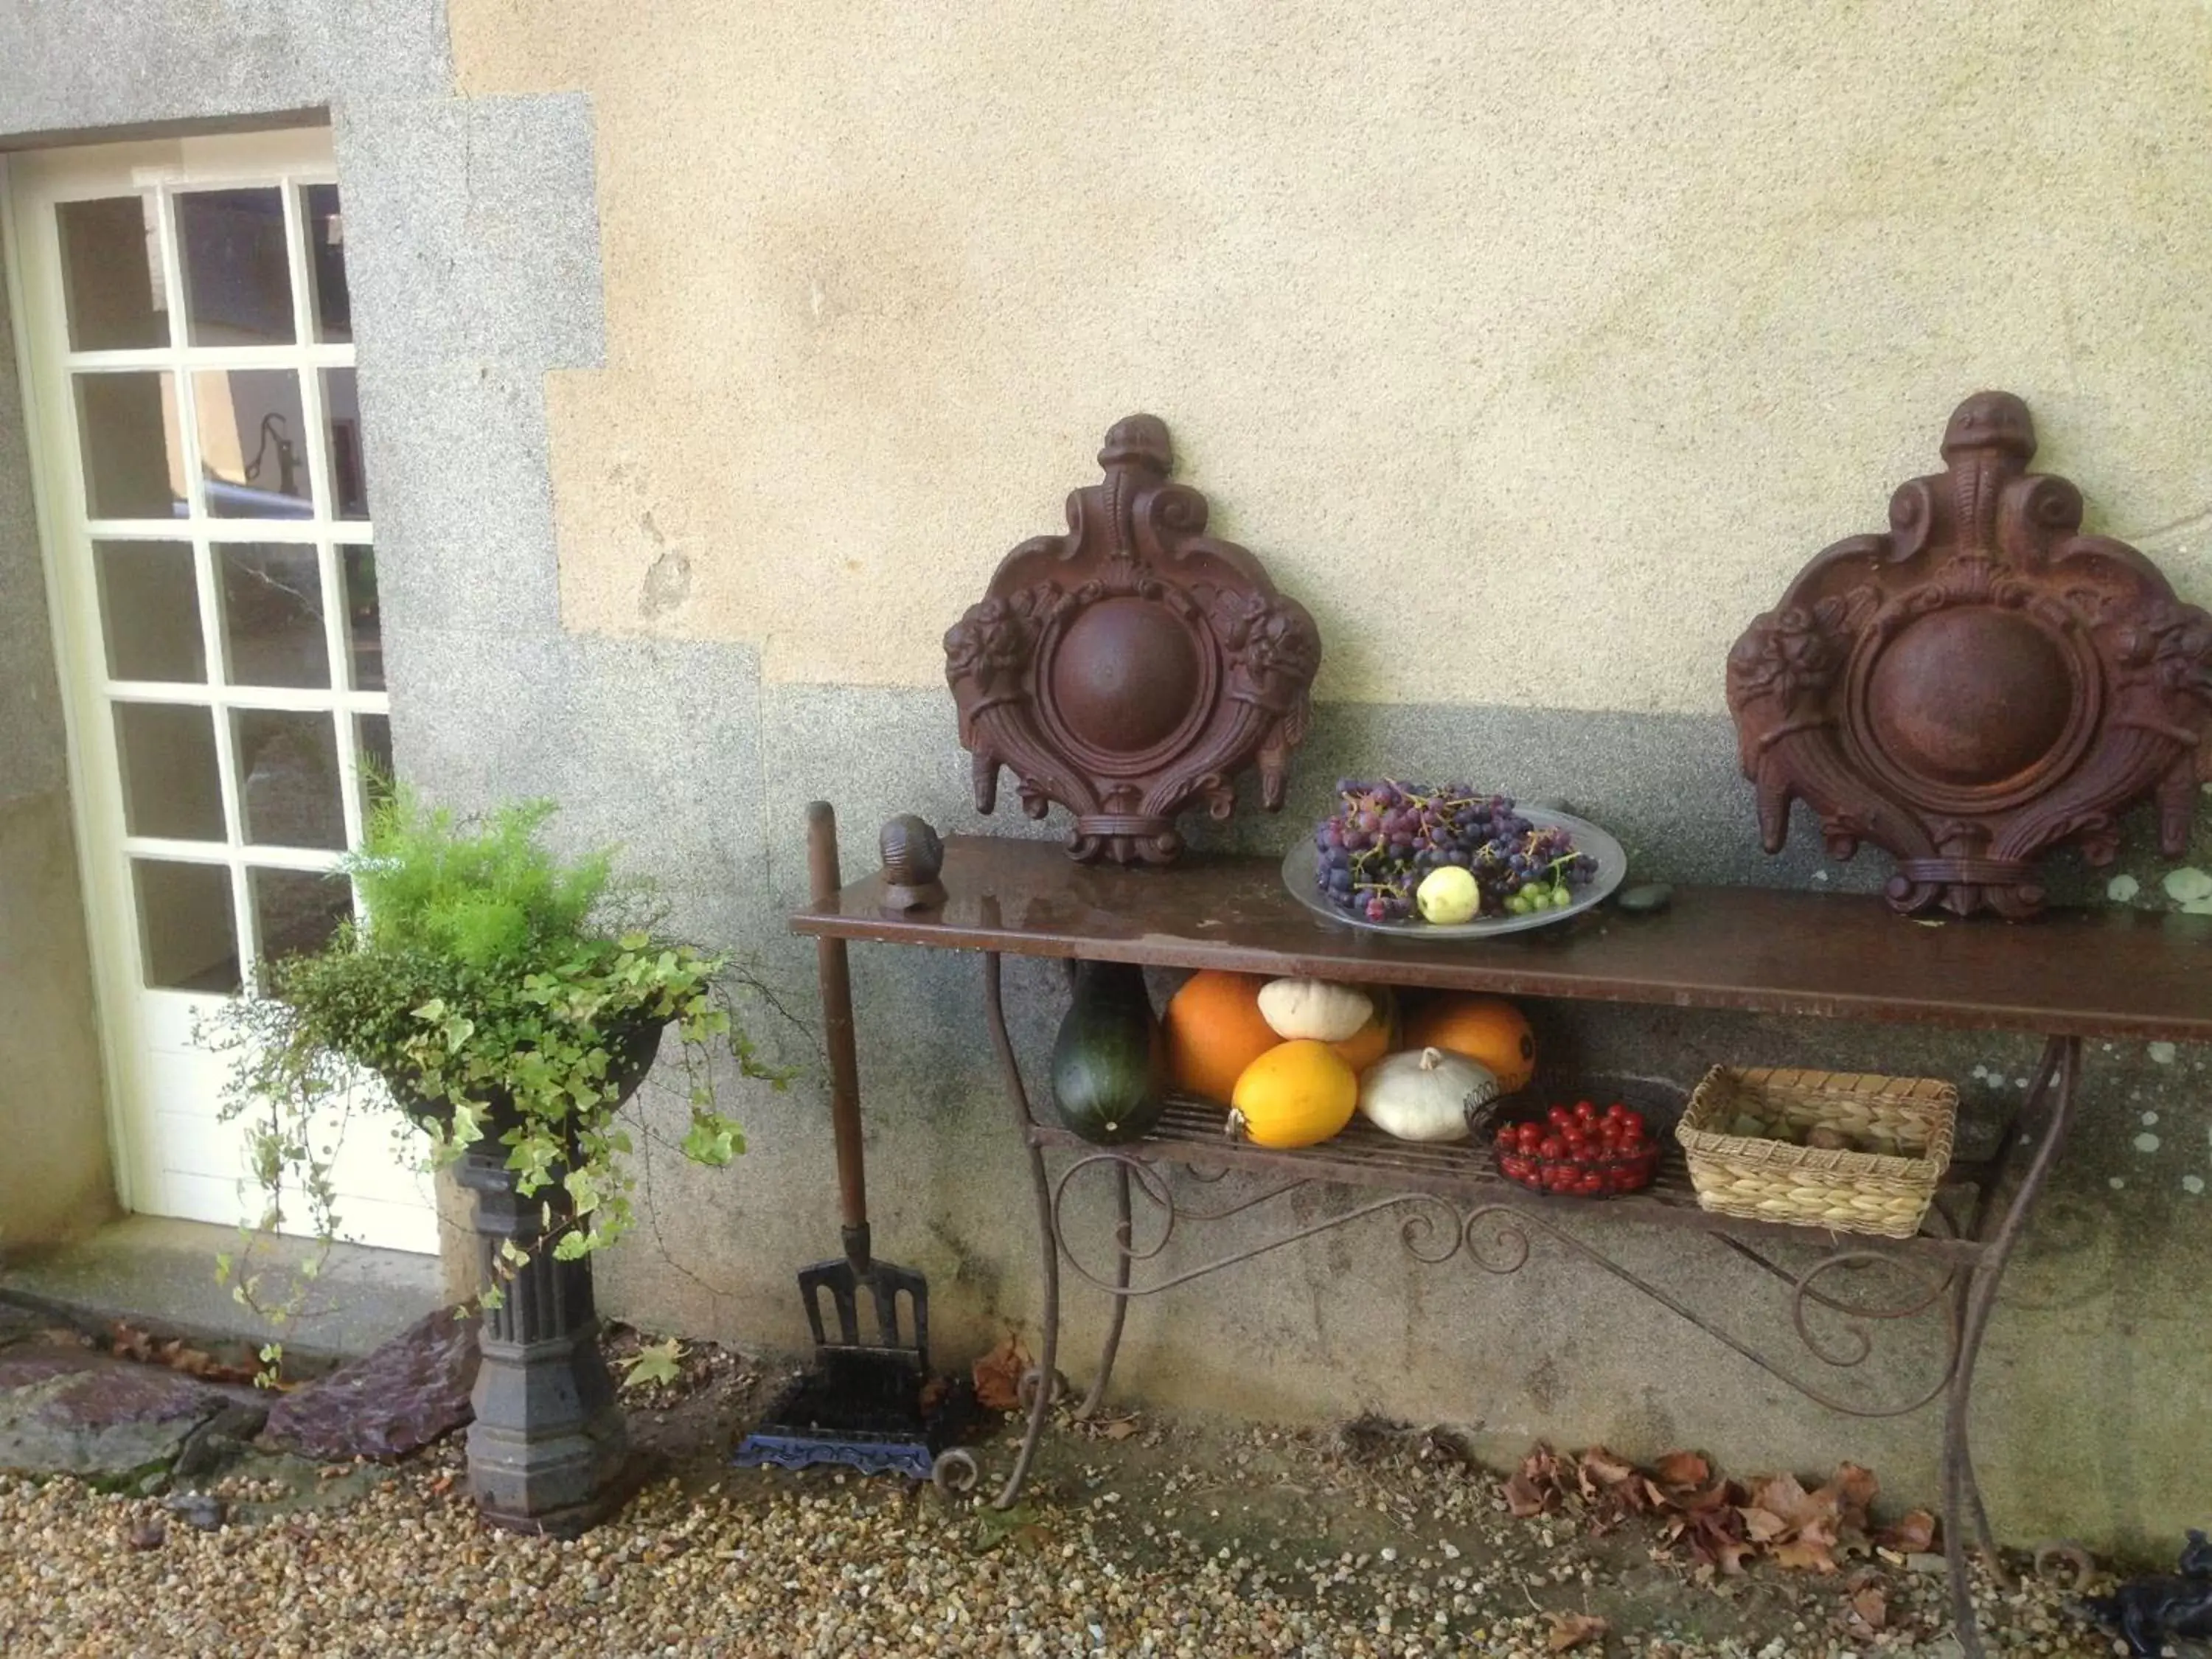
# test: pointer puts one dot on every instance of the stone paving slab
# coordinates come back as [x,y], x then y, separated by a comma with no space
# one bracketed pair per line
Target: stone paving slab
[118,1425]
[409,1392]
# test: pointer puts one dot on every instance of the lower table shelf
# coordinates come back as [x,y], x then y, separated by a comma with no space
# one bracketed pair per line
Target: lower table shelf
[1193,1133]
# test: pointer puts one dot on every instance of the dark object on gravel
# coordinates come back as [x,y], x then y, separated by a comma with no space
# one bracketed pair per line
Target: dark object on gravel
[406,1394]
[869,1409]
[199,1510]
[2145,1612]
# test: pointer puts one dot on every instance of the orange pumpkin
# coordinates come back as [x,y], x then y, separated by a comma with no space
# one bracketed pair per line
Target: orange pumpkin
[1214,1030]
[1486,1029]
[1375,1039]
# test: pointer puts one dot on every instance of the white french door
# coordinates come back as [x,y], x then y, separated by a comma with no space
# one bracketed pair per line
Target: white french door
[186,332]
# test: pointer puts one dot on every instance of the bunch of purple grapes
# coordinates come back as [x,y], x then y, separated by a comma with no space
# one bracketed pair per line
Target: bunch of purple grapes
[1385,837]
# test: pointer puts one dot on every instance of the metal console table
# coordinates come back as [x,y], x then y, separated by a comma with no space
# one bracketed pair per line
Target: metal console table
[2112,973]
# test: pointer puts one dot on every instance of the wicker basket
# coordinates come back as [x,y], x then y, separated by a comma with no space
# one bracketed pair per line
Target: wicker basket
[1767,1180]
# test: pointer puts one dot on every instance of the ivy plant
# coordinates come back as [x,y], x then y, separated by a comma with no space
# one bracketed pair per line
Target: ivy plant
[491,987]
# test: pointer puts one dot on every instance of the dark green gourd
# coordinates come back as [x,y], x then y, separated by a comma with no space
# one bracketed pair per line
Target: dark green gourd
[1109,1063]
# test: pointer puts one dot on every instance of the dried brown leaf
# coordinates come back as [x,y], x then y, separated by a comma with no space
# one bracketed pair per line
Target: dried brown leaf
[1911,1534]
[1764,1526]
[1721,1495]
[127,1341]
[1682,1468]
[1805,1556]
[1870,1606]
[1782,1495]
[1571,1630]
[1856,1487]
[1600,1468]
[999,1375]
[1121,1428]
[1540,1468]
[1523,1498]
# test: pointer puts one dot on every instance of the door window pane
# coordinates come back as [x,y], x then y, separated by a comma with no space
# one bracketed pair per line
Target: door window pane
[288,778]
[149,611]
[172,787]
[342,409]
[364,630]
[238,280]
[250,450]
[112,274]
[134,456]
[272,614]
[185,928]
[333,309]
[372,743]
[296,911]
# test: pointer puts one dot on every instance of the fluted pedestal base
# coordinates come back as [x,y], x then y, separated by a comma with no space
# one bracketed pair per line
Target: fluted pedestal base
[548,1452]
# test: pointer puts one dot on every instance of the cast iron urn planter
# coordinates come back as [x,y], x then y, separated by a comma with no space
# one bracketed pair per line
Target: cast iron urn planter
[548,1451]
[1977,685]
[1130,668]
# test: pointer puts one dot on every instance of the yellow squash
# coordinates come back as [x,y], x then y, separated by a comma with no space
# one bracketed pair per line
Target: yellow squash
[1297,1094]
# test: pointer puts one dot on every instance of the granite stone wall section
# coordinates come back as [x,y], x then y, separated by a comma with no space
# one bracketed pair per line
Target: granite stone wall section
[54,1181]
[69,71]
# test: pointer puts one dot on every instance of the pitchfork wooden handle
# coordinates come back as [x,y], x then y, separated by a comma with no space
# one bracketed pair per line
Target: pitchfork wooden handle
[836,981]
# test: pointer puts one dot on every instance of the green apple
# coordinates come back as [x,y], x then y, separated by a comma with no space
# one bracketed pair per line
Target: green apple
[1447,896]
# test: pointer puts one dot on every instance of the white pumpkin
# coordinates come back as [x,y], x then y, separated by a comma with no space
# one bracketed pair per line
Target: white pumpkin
[1426,1095]
[1294,1008]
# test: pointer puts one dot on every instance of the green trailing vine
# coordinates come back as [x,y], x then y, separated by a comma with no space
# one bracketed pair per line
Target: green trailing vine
[486,969]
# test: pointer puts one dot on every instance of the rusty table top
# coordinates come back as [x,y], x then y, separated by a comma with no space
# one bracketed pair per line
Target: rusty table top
[2109,972]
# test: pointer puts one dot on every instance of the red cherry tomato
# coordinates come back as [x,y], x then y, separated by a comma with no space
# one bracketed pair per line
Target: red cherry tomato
[1559,1117]
[1553,1147]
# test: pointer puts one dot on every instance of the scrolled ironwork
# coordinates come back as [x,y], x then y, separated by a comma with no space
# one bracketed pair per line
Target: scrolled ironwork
[1862,1344]
[1505,1250]
[1499,1238]
[1421,1236]
[1431,1219]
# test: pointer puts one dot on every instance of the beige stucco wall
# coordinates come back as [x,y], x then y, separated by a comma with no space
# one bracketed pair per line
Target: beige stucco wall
[1603,315]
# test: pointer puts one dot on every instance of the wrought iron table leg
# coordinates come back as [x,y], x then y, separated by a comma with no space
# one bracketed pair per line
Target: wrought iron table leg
[1040,1402]
[2052,1098]
[1123,1235]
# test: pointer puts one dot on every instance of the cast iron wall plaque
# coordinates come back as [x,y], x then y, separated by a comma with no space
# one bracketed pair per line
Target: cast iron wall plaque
[1979,684]
[1132,666]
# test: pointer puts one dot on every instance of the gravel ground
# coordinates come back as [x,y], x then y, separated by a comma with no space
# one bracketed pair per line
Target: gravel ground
[1144,1540]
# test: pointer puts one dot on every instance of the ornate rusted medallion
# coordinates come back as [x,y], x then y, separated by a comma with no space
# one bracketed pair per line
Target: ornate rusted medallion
[1132,666]
[1979,684]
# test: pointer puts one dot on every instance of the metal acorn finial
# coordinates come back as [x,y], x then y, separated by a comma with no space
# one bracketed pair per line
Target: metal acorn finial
[912,855]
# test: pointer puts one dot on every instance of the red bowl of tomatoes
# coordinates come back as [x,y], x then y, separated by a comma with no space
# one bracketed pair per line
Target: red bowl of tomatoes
[1578,1149]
